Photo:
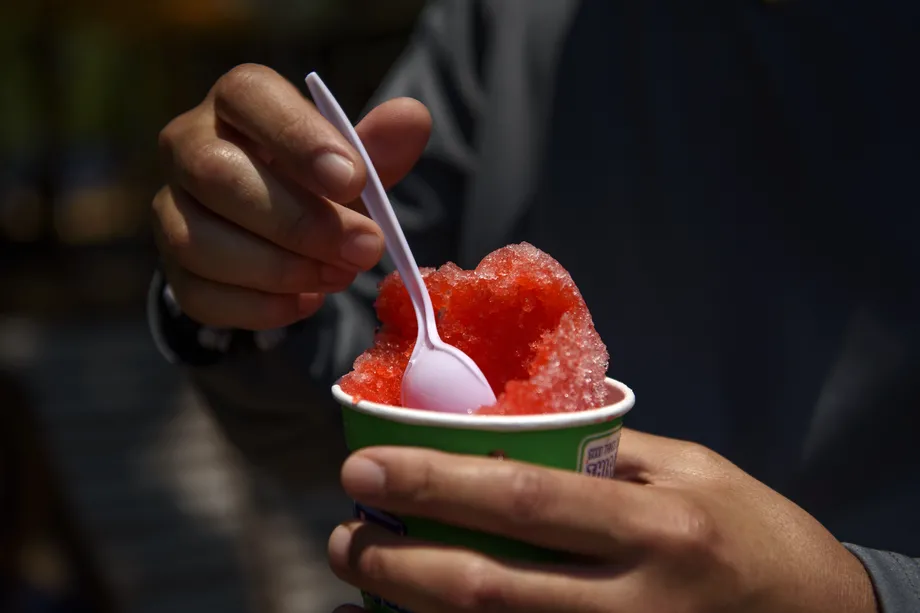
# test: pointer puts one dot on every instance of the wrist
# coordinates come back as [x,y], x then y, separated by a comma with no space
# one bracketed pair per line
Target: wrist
[854,586]
[179,338]
[822,576]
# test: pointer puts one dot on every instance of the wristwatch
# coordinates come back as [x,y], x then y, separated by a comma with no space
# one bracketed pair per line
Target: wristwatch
[183,340]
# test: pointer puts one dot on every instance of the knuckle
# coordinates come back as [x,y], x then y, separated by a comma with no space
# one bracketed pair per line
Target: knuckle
[691,531]
[317,230]
[211,164]
[290,274]
[178,242]
[174,134]
[299,234]
[372,564]
[699,463]
[528,493]
[478,588]
[291,130]
[699,455]
[418,485]
[176,236]
[239,79]
[160,202]
[168,137]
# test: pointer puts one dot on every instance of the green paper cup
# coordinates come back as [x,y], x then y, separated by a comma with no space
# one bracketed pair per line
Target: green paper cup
[584,442]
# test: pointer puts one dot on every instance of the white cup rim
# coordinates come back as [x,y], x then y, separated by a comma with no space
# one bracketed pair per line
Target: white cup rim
[501,423]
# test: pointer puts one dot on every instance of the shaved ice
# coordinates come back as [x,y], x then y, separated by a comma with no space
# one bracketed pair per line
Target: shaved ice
[518,315]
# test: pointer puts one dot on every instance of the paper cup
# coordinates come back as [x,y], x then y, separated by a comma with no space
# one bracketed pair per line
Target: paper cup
[584,441]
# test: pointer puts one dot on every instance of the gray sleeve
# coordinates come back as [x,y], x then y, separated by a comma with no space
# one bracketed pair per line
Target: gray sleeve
[895,577]
[275,404]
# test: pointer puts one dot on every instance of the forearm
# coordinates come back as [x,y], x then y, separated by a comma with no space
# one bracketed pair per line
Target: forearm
[269,392]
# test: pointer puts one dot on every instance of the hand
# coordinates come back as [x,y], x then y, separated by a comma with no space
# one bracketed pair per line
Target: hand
[250,226]
[680,530]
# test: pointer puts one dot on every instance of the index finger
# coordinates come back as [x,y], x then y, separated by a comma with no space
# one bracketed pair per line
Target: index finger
[546,507]
[289,132]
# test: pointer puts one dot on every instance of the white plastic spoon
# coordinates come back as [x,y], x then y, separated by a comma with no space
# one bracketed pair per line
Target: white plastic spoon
[439,377]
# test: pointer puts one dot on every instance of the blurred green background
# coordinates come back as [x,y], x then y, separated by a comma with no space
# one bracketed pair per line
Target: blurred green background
[117,490]
[84,89]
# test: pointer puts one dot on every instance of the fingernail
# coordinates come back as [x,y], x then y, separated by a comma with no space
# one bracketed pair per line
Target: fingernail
[334,276]
[333,171]
[339,544]
[363,477]
[363,250]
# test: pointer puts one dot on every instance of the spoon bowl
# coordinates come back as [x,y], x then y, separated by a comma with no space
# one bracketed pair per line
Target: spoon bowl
[436,368]
[439,377]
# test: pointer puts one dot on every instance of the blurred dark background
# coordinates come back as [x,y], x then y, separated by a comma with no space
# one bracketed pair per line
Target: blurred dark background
[117,492]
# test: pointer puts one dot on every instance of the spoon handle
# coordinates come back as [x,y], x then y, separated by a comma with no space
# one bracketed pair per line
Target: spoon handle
[378,205]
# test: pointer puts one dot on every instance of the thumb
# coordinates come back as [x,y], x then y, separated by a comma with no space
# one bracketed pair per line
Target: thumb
[395,134]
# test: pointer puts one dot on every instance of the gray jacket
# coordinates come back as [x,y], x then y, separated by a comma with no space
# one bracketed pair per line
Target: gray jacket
[730,185]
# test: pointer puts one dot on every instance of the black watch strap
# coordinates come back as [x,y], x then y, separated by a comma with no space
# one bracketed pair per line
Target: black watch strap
[180,338]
